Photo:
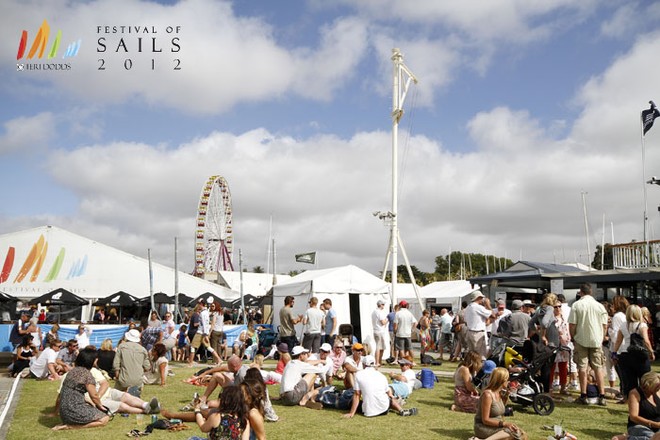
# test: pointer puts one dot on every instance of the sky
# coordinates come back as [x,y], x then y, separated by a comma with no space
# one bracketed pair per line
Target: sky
[522,111]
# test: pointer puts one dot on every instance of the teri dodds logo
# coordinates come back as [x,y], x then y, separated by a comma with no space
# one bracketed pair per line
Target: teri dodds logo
[38,49]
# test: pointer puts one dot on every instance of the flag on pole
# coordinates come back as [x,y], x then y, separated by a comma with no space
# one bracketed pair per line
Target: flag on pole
[309,257]
[648,116]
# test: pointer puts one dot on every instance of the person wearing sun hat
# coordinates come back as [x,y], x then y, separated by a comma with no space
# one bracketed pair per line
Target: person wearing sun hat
[130,363]
[477,315]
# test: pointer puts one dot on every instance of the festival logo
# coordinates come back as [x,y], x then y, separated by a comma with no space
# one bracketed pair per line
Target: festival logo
[38,48]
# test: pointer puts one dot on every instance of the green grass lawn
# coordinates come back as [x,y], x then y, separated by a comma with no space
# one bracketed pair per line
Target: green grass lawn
[435,420]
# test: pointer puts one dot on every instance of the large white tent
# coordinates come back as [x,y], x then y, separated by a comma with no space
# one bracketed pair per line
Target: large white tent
[353,291]
[39,260]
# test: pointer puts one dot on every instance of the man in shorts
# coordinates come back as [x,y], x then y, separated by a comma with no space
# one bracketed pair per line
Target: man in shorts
[297,386]
[381,335]
[587,324]
[404,322]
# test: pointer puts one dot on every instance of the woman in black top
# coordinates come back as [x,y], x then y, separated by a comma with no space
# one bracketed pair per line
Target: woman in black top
[106,355]
[644,408]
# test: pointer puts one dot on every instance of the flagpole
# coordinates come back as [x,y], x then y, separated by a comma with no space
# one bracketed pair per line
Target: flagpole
[646,218]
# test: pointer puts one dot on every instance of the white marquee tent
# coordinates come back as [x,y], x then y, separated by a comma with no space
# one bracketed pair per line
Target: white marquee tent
[353,291]
[39,260]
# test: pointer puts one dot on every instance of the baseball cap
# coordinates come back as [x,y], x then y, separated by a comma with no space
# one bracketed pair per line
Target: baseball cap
[404,362]
[489,366]
[528,302]
[369,361]
[326,347]
[298,349]
[403,303]
[380,302]
[516,304]
[357,346]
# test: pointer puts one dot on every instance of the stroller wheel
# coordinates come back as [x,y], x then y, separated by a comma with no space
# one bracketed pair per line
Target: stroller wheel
[543,404]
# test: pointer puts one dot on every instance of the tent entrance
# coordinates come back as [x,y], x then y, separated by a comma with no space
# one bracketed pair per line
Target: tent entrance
[354,304]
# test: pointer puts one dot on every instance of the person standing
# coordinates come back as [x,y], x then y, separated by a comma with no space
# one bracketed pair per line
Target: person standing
[313,319]
[202,337]
[83,336]
[218,339]
[404,322]
[390,328]
[381,335]
[330,322]
[435,329]
[445,332]
[587,324]
[288,321]
[477,315]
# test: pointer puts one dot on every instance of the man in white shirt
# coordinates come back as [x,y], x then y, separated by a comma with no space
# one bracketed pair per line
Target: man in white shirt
[477,315]
[202,337]
[404,322]
[83,336]
[46,362]
[372,387]
[404,382]
[314,320]
[445,332]
[297,386]
[381,334]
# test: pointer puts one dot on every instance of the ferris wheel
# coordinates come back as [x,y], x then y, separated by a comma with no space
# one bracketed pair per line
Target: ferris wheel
[213,236]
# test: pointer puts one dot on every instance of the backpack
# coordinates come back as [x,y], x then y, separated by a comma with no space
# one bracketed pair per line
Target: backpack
[331,398]
[504,327]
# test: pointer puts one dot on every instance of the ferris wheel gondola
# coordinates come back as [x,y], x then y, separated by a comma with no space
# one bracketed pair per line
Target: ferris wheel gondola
[213,235]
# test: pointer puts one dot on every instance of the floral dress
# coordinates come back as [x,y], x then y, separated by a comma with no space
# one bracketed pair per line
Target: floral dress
[74,410]
[228,429]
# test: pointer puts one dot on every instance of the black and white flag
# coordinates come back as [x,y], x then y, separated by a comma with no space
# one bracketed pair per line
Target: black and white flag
[648,116]
[309,257]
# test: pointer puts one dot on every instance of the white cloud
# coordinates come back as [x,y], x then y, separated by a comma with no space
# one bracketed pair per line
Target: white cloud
[27,134]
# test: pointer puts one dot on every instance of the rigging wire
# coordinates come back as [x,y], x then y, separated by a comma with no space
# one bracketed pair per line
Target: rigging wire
[406,143]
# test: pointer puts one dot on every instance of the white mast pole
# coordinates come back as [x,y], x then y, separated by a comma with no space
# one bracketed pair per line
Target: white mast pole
[586,227]
[399,91]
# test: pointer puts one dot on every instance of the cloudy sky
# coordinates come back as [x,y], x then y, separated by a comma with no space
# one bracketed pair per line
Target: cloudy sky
[520,108]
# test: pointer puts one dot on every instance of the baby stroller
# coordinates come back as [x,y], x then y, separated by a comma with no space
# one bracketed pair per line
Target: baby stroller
[267,338]
[505,351]
[526,390]
[345,335]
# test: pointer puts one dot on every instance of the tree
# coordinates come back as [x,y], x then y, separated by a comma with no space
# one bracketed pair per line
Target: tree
[464,266]
[258,269]
[608,260]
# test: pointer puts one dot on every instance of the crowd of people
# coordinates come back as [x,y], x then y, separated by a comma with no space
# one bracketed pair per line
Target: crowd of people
[604,342]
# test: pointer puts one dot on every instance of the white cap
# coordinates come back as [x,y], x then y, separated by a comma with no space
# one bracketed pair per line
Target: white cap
[368,361]
[298,349]
[326,347]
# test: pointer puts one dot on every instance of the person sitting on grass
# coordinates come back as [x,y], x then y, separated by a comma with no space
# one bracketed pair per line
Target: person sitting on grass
[157,373]
[372,388]
[232,373]
[353,364]
[466,395]
[643,409]
[75,412]
[297,387]
[405,382]
[114,400]
[488,420]
[24,353]
[45,367]
[229,421]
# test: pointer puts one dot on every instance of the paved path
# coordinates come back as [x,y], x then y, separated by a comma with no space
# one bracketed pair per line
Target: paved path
[6,383]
